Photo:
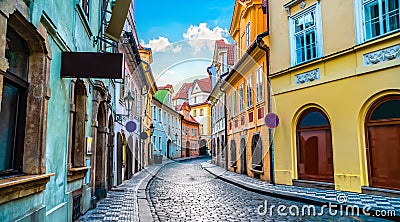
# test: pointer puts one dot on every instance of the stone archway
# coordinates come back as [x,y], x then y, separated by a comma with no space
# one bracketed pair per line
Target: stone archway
[101,151]
[169,149]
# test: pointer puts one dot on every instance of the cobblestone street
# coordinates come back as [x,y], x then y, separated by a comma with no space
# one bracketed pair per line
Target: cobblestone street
[185,192]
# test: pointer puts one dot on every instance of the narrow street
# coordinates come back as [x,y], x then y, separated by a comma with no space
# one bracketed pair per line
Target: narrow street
[186,192]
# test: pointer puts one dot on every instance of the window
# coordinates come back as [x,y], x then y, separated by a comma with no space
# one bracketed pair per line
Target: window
[233,153]
[195,99]
[165,119]
[201,112]
[256,148]
[260,85]
[241,98]
[201,129]
[154,113]
[86,7]
[194,132]
[314,151]
[159,115]
[235,111]
[381,17]
[248,35]
[249,90]
[159,144]
[229,103]
[305,35]
[78,125]
[13,104]
[169,98]
[194,113]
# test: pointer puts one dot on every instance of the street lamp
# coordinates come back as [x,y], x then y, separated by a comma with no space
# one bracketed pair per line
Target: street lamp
[128,102]
[151,129]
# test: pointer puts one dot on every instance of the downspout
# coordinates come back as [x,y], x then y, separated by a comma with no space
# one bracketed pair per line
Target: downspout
[269,103]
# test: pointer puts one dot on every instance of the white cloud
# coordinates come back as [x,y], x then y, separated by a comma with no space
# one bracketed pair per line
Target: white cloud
[202,36]
[161,44]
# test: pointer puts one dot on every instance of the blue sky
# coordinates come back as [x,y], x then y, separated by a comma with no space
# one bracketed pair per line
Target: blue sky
[182,35]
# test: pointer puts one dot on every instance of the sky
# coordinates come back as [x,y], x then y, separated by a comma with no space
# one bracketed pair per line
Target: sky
[182,36]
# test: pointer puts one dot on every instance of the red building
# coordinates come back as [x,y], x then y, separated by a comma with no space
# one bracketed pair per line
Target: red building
[190,132]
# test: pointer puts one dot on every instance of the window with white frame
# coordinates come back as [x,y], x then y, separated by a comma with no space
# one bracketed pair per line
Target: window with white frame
[260,84]
[229,104]
[249,90]
[241,98]
[235,110]
[306,35]
[248,34]
[380,17]
[159,115]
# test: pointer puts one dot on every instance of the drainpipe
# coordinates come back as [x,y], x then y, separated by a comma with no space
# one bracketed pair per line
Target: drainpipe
[269,108]
[226,127]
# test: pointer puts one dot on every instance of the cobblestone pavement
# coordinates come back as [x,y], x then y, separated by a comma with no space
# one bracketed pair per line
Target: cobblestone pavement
[186,192]
[374,202]
[121,202]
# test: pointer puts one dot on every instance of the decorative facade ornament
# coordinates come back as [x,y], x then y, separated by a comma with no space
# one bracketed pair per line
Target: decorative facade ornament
[382,55]
[307,76]
[303,4]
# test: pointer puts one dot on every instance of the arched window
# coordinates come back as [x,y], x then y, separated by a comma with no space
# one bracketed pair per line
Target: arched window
[383,143]
[13,104]
[314,146]
[78,125]
[233,153]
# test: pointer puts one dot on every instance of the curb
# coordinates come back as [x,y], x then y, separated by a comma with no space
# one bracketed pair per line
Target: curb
[297,198]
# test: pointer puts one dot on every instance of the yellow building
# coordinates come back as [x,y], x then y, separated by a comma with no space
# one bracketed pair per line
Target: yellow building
[202,114]
[245,86]
[147,93]
[335,81]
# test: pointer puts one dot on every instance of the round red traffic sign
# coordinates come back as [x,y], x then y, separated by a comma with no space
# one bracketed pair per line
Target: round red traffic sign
[272,120]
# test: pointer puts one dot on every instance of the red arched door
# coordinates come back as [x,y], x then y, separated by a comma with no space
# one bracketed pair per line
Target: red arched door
[383,143]
[314,147]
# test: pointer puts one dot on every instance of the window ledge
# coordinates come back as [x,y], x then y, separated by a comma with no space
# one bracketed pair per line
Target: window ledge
[76,173]
[21,186]
[257,171]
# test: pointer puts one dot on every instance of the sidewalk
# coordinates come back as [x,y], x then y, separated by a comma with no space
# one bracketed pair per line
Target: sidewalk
[308,195]
[124,202]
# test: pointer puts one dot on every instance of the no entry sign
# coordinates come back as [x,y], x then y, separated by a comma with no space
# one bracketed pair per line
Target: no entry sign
[272,120]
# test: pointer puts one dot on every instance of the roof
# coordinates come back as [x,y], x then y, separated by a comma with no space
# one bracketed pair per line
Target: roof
[168,86]
[204,84]
[221,44]
[183,91]
[200,104]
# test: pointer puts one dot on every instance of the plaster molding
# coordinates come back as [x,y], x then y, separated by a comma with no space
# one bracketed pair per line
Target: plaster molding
[382,55]
[307,76]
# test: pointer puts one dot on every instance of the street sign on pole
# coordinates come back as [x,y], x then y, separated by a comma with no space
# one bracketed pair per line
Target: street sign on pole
[131,126]
[272,120]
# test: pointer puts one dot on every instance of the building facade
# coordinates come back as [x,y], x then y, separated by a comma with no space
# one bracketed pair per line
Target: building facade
[167,133]
[59,153]
[338,98]
[246,95]
[223,61]
[190,132]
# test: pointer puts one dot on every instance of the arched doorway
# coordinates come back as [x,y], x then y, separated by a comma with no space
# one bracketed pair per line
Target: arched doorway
[243,157]
[110,156]
[119,158]
[187,148]
[233,153]
[203,147]
[218,152]
[137,156]
[169,149]
[314,146]
[383,143]
[101,151]
[128,161]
